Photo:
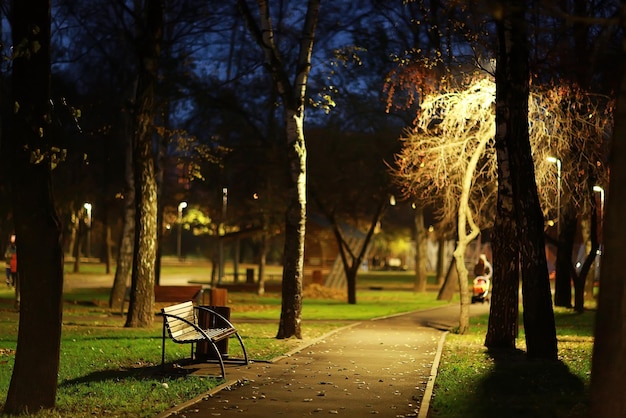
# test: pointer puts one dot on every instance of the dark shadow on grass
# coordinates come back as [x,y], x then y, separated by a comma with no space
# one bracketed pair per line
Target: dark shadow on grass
[520,387]
[168,372]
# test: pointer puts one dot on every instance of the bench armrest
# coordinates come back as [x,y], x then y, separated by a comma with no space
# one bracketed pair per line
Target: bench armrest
[213,312]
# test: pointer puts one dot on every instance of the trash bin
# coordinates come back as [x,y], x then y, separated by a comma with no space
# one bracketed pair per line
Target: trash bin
[317,277]
[250,276]
[208,320]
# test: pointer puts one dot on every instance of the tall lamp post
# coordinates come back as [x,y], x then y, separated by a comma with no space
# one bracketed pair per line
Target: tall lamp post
[87,207]
[556,161]
[181,206]
[221,233]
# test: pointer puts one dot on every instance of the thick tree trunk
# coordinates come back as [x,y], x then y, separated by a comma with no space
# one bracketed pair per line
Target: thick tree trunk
[295,222]
[504,310]
[502,330]
[421,243]
[608,371]
[140,312]
[40,254]
[512,84]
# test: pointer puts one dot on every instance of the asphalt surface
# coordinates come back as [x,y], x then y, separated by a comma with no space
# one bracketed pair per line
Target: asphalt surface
[385,367]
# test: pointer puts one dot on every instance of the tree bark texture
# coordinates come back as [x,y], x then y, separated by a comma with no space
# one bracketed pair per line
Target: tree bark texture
[512,79]
[608,370]
[295,222]
[40,254]
[140,312]
[504,309]
[421,243]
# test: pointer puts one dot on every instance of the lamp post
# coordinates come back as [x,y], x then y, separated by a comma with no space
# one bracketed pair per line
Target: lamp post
[601,191]
[87,207]
[556,161]
[181,206]
[221,233]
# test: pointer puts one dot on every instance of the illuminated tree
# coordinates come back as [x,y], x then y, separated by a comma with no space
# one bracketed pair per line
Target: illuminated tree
[443,163]
[292,95]
[449,159]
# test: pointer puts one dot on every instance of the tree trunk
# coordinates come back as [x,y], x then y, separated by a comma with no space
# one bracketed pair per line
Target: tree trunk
[441,259]
[78,243]
[608,371]
[502,329]
[262,260]
[38,229]
[123,271]
[465,220]
[564,251]
[421,243]
[591,249]
[451,283]
[594,270]
[75,222]
[512,86]
[293,100]
[295,222]
[140,312]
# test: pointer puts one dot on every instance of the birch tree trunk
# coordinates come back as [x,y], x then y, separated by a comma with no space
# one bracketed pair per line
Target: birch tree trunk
[293,100]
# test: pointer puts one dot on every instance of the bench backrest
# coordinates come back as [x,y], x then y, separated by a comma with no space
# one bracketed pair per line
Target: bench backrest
[175,326]
[176,293]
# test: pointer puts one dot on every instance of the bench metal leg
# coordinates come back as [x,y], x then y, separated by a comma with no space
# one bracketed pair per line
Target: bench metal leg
[163,346]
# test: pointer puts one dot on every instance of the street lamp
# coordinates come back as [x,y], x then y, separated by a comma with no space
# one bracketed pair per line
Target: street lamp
[181,206]
[601,191]
[87,207]
[556,161]
[221,268]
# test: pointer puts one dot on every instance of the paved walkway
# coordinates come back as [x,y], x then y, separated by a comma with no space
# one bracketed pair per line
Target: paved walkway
[384,367]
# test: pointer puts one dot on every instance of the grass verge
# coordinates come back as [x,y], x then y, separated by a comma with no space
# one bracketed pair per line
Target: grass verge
[473,382]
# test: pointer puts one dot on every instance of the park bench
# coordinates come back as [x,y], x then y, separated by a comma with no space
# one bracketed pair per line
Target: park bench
[181,324]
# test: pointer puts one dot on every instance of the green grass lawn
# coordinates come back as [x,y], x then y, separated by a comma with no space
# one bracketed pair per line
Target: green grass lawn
[472,382]
[109,370]
[106,369]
